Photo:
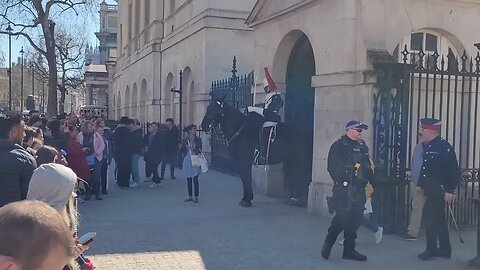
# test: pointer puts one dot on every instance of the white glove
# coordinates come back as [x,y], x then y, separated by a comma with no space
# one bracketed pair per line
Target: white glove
[255,109]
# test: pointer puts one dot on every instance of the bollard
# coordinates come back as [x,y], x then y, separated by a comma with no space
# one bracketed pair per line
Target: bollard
[475,262]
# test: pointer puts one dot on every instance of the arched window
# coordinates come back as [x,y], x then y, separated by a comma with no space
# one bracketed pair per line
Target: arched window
[428,43]
[172,6]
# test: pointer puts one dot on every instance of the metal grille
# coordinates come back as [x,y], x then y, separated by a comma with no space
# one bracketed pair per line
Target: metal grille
[428,85]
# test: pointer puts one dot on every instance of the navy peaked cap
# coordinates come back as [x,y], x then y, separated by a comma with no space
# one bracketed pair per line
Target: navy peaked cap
[356,124]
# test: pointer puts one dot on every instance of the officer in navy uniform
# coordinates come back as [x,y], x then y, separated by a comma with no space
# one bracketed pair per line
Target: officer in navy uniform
[439,177]
[349,166]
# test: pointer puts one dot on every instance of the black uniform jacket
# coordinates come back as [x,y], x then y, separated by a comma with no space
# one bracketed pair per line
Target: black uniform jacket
[349,183]
[440,172]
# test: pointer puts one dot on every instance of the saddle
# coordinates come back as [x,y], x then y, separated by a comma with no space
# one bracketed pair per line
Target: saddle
[267,135]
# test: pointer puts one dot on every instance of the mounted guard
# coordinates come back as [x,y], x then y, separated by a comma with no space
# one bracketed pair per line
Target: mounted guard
[269,111]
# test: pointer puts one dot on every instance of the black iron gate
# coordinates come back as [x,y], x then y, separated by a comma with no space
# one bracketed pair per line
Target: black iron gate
[238,92]
[425,85]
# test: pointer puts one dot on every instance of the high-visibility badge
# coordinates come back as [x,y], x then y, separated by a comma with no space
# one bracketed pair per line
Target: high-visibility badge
[345,183]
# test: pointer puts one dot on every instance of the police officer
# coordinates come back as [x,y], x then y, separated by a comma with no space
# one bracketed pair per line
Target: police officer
[349,166]
[439,177]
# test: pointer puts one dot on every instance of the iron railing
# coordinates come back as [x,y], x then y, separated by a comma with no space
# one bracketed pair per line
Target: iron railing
[426,85]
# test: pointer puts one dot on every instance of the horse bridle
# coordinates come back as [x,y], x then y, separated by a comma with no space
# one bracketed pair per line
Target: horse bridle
[214,120]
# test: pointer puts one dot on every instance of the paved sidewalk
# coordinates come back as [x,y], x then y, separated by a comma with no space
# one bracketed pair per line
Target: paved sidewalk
[146,228]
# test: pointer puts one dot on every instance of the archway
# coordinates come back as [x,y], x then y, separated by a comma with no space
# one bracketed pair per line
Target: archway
[134,105]
[143,101]
[191,103]
[127,102]
[187,102]
[299,110]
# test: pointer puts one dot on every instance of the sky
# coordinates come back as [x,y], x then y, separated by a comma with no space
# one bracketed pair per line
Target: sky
[17,43]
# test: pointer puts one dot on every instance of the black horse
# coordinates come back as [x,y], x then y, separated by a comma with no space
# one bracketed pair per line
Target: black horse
[242,134]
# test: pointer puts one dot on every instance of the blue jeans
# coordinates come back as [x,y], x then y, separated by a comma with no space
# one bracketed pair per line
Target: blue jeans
[135,168]
[369,223]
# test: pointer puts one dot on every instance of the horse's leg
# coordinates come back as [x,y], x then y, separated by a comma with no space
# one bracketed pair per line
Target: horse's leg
[246,176]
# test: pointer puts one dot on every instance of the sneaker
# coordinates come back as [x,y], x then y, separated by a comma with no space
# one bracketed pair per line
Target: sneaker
[196,200]
[188,200]
[155,185]
[134,185]
[379,235]
[80,200]
[407,237]
[173,177]
[341,242]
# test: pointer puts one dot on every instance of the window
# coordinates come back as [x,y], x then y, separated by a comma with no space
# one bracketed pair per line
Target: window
[416,41]
[172,6]
[130,26]
[147,13]
[111,22]
[431,43]
[137,17]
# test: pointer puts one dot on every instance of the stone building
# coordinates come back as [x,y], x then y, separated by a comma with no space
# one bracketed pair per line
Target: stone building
[158,39]
[322,55]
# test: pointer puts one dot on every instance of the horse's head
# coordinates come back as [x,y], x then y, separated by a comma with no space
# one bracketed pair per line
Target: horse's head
[213,115]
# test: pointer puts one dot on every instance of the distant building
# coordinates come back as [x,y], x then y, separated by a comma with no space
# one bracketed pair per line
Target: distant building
[99,59]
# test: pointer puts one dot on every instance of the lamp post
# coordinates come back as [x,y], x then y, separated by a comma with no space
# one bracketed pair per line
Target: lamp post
[33,79]
[9,30]
[21,82]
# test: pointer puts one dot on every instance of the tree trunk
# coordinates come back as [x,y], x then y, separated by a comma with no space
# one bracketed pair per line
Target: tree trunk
[49,31]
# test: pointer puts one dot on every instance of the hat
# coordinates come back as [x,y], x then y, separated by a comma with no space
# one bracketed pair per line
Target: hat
[356,124]
[53,184]
[431,123]
[268,81]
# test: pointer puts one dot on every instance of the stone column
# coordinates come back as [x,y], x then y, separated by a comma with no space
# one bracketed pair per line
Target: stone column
[339,98]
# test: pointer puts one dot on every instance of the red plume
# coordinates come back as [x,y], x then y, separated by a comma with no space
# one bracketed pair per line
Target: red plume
[271,84]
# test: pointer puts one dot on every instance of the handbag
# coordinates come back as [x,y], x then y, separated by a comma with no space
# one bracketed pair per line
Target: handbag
[203,163]
[196,160]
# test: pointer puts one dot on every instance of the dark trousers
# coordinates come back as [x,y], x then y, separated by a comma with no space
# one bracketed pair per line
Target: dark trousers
[148,166]
[95,180]
[171,159]
[436,225]
[347,221]
[104,176]
[195,183]
[124,164]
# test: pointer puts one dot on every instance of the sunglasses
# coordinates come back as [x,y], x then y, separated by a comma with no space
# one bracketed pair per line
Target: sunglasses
[359,130]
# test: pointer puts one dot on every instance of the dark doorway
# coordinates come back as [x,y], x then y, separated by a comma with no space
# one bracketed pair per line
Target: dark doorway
[299,115]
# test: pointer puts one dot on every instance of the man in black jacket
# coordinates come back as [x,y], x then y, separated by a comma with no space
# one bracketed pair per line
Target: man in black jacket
[349,166]
[170,145]
[16,164]
[122,152]
[136,146]
[438,180]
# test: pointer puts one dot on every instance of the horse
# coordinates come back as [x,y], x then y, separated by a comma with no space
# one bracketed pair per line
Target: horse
[242,134]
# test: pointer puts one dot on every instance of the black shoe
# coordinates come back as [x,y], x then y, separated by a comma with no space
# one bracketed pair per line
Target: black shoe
[355,256]
[243,203]
[427,254]
[326,250]
[173,177]
[104,193]
[161,178]
[98,198]
[88,197]
[444,254]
